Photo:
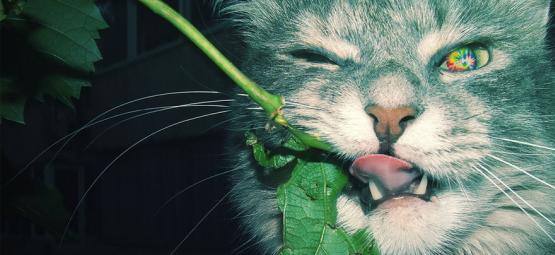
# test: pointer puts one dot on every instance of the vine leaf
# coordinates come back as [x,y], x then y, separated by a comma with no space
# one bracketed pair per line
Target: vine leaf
[307,202]
[11,104]
[279,158]
[63,88]
[68,30]
[63,32]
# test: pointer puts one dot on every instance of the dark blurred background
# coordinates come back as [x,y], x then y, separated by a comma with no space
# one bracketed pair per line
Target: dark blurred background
[143,56]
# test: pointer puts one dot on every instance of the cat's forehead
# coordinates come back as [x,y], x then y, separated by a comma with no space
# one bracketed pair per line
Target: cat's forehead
[371,24]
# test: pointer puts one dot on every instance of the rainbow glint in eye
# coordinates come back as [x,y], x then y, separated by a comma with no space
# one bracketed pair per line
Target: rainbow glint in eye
[467,58]
[462,59]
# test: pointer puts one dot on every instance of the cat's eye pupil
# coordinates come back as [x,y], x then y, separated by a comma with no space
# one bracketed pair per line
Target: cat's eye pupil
[312,57]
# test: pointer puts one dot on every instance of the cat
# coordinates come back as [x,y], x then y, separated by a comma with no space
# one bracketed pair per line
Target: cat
[456,95]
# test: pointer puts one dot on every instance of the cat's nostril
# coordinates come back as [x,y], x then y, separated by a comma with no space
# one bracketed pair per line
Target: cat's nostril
[407,119]
[374,118]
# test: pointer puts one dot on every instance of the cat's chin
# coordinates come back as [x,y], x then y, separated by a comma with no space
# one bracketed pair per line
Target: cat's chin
[404,202]
[403,225]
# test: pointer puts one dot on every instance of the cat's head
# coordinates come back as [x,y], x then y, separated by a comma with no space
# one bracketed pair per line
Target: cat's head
[455,89]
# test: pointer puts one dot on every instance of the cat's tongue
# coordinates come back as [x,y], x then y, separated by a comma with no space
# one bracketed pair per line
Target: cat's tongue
[393,173]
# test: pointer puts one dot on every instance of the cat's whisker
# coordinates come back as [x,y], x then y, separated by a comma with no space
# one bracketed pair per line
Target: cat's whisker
[255,108]
[95,121]
[516,203]
[97,178]
[239,249]
[462,188]
[519,148]
[524,143]
[520,154]
[516,194]
[476,115]
[522,170]
[70,135]
[174,196]
[199,222]
[163,94]
[290,102]
[250,246]
[160,109]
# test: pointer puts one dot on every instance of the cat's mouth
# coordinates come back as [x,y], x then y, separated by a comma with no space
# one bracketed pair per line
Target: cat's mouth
[390,181]
[422,188]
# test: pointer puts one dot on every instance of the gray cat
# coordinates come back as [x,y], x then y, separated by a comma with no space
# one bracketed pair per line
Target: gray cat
[440,110]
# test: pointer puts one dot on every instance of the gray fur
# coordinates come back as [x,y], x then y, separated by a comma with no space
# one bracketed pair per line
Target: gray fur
[462,116]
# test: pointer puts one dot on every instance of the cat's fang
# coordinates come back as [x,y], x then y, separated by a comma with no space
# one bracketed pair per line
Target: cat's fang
[422,186]
[375,191]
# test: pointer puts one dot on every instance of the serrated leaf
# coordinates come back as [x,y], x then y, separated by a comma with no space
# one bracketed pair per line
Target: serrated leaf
[67,30]
[11,104]
[83,13]
[74,48]
[64,88]
[308,203]
[13,109]
[63,30]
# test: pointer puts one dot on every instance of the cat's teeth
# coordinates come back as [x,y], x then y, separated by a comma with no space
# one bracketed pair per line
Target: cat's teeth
[375,191]
[421,189]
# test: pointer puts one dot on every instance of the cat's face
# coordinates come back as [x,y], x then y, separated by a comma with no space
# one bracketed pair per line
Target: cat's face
[351,69]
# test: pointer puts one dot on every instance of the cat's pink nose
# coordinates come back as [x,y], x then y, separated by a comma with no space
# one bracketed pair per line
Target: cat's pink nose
[393,173]
[390,122]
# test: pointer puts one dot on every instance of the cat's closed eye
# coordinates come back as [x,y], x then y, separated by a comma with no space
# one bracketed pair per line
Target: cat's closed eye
[313,56]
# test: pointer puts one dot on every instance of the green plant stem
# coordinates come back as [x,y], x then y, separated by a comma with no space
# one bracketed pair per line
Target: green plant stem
[271,104]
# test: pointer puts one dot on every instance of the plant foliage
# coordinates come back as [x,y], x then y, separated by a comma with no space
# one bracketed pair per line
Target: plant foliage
[308,200]
[60,50]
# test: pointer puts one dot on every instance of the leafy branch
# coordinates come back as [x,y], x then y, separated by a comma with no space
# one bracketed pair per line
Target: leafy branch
[308,199]
[272,104]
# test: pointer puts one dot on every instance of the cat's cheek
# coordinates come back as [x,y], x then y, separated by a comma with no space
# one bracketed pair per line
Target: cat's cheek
[424,137]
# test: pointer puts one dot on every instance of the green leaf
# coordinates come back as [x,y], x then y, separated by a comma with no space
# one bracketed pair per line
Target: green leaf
[363,243]
[63,88]
[308,203]
[308,200]
[11,104]
[43,206]
[265,158]
[68,30]
[65,32]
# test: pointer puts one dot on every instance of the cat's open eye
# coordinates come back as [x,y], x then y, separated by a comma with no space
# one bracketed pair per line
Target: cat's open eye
[312,57]
[465,58]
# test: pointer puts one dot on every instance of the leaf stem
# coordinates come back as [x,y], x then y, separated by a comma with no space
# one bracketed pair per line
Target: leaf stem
[272,104]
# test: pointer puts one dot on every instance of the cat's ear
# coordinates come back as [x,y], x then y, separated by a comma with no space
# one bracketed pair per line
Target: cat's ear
[534,11]
[543,6]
